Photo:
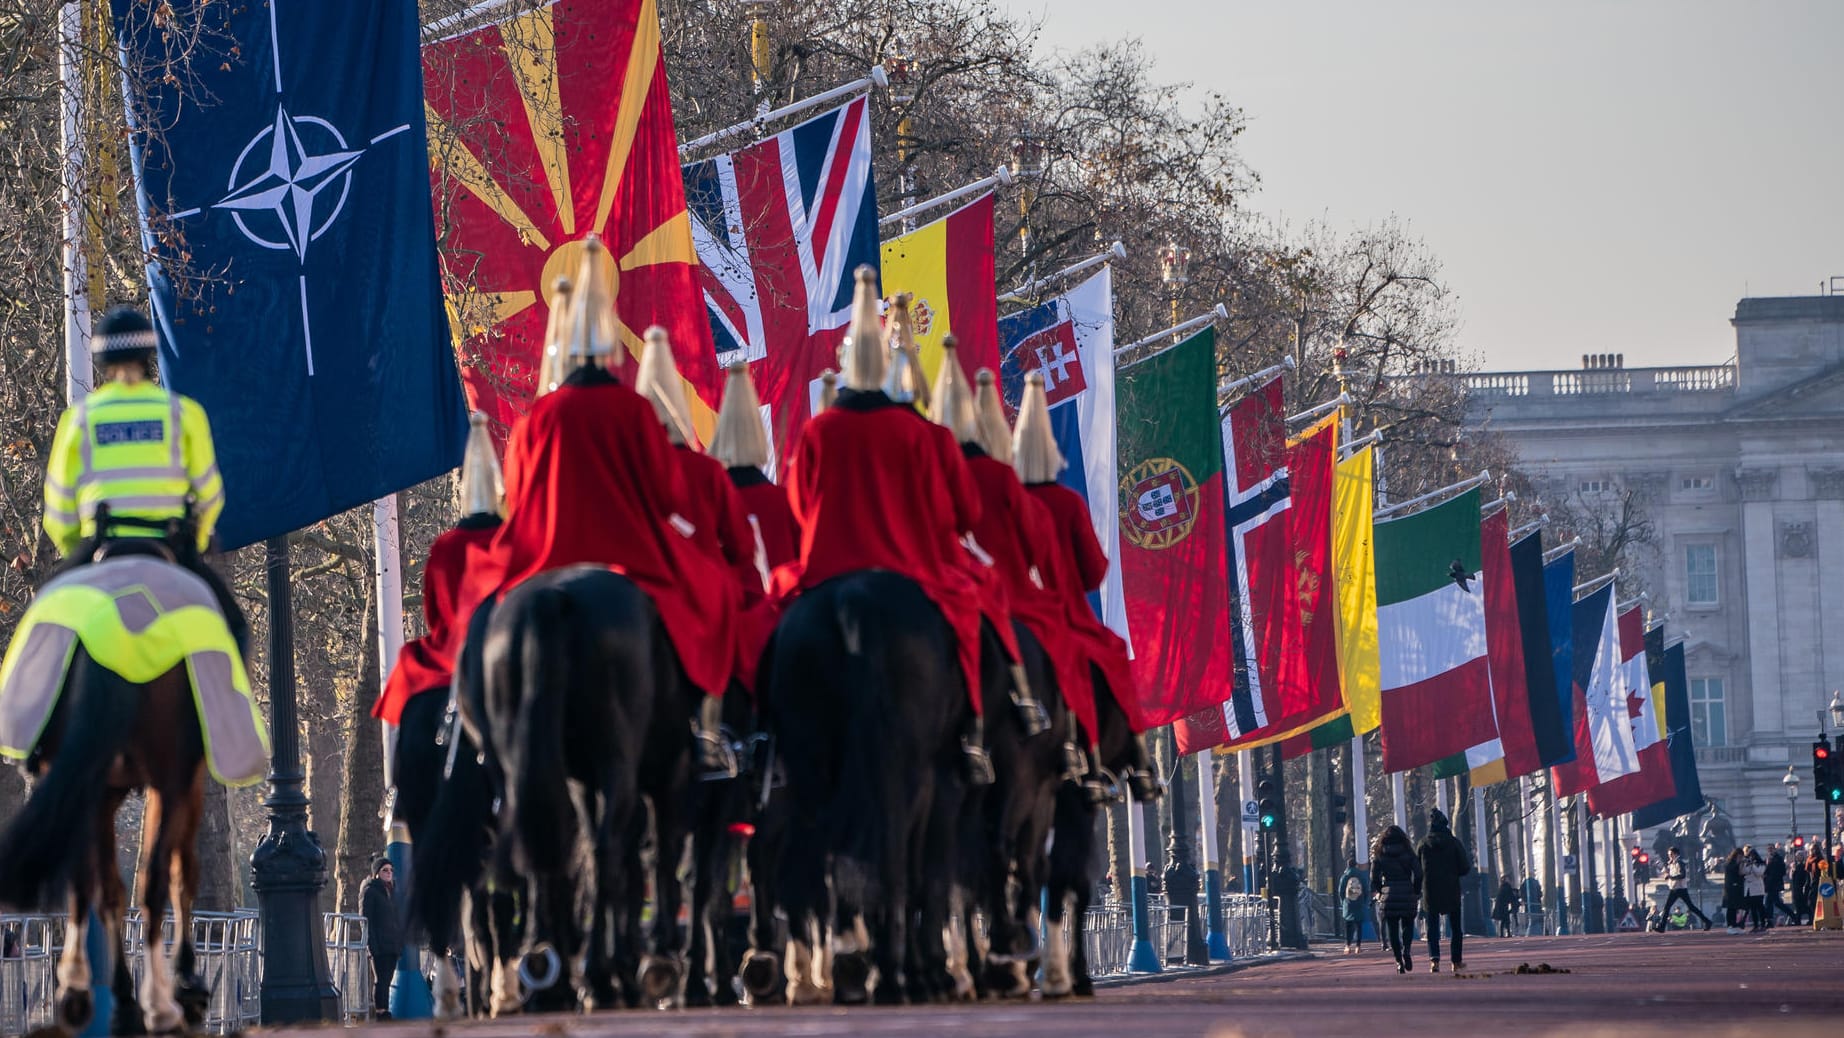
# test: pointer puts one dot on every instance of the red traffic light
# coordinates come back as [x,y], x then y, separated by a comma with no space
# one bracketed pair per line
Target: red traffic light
[1644,858]
[1820,752]
[1798,842]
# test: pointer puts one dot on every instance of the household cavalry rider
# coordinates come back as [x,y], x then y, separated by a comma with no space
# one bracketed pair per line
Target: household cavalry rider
[133,461]
[591,478]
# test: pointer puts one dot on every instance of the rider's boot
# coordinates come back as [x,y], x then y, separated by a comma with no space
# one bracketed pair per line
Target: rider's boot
[973,747]
[1142,779]
[714,755]
[1096,782]
[1031,712]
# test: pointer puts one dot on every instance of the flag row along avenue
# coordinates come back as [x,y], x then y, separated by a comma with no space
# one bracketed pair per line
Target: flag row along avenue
[576,505]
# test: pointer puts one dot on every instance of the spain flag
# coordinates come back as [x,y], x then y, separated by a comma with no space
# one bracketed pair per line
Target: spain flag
[544,128]
[948,266]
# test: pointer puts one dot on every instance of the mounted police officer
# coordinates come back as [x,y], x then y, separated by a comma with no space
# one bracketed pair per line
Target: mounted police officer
[134,462]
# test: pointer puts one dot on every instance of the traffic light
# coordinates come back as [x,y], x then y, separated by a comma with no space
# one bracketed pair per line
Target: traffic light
[1642,867]
[1268,806]
[1340,804]
[1827,777]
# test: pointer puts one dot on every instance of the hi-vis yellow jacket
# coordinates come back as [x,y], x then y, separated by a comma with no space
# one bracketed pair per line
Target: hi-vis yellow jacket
[142,450]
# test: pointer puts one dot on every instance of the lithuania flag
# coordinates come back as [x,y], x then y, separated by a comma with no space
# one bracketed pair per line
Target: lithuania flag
[1172,554]
[1436,693]
[948,266]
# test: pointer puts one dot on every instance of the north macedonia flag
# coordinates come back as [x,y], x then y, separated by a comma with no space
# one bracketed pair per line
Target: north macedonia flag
[543,129]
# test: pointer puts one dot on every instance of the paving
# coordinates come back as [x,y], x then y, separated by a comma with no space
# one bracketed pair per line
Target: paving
[1632,985]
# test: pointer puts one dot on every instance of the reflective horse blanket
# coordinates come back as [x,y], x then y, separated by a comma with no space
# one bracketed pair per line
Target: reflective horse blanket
[139,617]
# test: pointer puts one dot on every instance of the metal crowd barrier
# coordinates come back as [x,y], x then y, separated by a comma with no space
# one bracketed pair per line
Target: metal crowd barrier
[228,946]
[1108,931]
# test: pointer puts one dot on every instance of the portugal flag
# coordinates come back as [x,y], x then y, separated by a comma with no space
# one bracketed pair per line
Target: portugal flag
[1172,532]
[543,129]
[948,266]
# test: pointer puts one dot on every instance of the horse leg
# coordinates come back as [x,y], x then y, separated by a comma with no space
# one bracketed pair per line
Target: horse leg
[662,971]
[698,967]
[186,813]
[158,1004]
[613,828]
[761,971]
[801,886]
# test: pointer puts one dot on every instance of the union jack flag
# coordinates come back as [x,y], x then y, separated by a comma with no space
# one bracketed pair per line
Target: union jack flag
[779,228]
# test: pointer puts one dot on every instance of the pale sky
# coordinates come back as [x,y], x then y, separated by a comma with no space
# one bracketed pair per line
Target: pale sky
[1595,175]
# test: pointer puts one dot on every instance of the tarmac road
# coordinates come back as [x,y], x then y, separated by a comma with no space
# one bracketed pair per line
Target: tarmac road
[1626,984]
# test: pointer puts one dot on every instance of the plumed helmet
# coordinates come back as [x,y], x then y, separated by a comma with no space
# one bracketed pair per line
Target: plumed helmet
[741,440]
[863,352]
[594,330]
[952,405]
[905,380]
[483,488]
[1034,454]
[660,383]
[556,339]
[829,390]
[124,334]
[995,433]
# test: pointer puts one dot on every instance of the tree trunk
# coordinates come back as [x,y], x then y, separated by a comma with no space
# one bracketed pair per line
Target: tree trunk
[1120,871]
[218,889]
[362,792]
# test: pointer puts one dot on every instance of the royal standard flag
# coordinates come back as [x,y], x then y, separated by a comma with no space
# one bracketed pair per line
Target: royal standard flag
[948,266]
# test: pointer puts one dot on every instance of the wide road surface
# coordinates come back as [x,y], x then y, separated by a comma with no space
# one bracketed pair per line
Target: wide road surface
[1681,984]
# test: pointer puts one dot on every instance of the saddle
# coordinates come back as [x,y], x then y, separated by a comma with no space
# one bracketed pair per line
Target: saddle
[139,615]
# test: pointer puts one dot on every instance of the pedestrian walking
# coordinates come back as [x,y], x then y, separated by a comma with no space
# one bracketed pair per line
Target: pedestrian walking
[1773,882]
[1395,878]
[1678,875]
[1754,888]
[383,932]
[1799,878]
[1504,906]
[1533,906]
[1734,899]
[1352,897]
[1443,861]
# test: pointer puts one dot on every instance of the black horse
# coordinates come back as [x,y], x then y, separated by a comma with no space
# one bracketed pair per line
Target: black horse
[1072,866]
[588,711]
[866,703]
[1006,825]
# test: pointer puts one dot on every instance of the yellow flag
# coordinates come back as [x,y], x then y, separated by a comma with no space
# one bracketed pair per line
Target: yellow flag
[1354,565]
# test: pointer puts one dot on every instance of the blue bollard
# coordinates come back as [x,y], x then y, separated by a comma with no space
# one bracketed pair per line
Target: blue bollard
[410,996]
[1215,939]
[1143,959]
[102,974]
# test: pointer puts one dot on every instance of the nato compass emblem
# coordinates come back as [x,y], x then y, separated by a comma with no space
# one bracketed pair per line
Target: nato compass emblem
[290,183]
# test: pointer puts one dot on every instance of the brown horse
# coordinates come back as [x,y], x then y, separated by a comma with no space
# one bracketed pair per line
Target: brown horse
[106,738]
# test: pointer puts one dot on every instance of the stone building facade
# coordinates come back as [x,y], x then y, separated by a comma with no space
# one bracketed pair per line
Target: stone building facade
[1741,468]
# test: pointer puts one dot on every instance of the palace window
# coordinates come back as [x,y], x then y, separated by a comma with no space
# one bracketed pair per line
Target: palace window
[1700,574]
[1709,721]
[1697,483]
[1596,486]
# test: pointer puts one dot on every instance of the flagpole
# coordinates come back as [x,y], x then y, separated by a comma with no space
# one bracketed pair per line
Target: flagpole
[1536,524]
[1262,376]
[1142,959]
[876,77]
[1178,331]
[1399,792]
[1582,591]
[1314,412]
[1214,938]
[1245,785]
[1491,506]
[1464,485]
[1560,550]
[1526,816]
[77,374]
[1024,293]
[1352,447]
[1002,177]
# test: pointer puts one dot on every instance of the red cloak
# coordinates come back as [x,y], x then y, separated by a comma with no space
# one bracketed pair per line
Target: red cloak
[1081,569]
[765,505]
[1016,530]
[874,485]
[591,478]
[423,664]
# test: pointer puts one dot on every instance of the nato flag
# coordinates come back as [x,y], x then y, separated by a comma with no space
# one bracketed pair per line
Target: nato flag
[282,169]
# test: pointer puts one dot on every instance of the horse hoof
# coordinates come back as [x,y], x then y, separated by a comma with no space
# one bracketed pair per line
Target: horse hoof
[761,971]
[194,1000]
[1083,988]
[851,979]
[698,996]
[76,1007]
[660,979]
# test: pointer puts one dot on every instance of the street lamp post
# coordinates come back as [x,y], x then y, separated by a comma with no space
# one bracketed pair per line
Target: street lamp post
[1175,272]
[1792,802]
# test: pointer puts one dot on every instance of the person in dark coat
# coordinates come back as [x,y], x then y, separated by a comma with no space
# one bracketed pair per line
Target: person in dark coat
[1504,906]
[1443,861]
[1774,880]
[383,933]
[1800,880]
[1351,898]
[1734,891]
[1395,878]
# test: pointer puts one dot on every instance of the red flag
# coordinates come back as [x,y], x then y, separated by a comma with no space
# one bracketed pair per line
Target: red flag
[545,128]
[1504,638]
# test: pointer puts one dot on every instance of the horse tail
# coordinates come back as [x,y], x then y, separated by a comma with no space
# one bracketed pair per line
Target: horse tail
[859,812]
[451,847]
[54,833]
[537,788]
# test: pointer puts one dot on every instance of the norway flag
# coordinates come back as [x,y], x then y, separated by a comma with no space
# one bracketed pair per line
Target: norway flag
[1071,340]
